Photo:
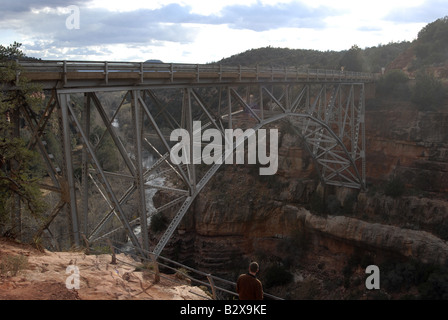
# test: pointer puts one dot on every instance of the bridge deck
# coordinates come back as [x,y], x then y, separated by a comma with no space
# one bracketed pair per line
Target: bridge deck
[81,74]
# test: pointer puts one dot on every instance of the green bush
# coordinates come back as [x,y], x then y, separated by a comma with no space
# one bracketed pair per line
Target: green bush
[348,206]
[293,247]
[428,93]
[333,205]
[394,188]
[158,222]
[430,280]
[436,286]
[317,204]
[277,275]
[394,85]
[107,153]
[11,265]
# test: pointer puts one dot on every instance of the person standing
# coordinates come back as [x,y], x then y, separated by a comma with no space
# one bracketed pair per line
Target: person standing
[248,286]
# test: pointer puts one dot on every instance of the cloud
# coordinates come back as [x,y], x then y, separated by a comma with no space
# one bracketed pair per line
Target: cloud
[368,28]
[427,12]
[42,24]
[261,17]
[13,9]
[178,28]
[100,26]
[168,23]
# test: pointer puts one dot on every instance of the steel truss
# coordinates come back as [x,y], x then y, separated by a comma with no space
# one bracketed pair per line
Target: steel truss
[329,117]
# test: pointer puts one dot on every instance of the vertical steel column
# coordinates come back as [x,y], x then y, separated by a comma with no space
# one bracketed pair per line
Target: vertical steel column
[186,106]
[352,121]
[85,164]
[64,100]
[287,98]
[363,137]
[137,113]
[229,106]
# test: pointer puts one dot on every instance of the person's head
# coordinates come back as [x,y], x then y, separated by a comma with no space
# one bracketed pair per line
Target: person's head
[253,267]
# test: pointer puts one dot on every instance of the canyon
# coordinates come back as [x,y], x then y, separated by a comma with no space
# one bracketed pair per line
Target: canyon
[315,232]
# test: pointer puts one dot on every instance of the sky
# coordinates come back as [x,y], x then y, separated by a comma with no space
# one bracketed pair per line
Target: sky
[203,31]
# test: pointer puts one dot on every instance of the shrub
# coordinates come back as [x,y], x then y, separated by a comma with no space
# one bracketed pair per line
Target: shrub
[317,204]
[293,247]
[431,280]
[395,84]
[348,206]
[428,93]
[158,222]
[182,274]
[436,287]
[13,264]
[394,188]
[333,205]
[277,275]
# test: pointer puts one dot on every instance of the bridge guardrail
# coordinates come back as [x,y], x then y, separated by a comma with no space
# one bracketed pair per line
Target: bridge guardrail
[172,71]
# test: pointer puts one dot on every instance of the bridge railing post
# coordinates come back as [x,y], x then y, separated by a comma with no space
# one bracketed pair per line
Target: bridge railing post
[141,73]
[64,72]
[106,72]
[212,286]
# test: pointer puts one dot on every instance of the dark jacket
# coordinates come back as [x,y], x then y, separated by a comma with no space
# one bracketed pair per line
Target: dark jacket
[249,287]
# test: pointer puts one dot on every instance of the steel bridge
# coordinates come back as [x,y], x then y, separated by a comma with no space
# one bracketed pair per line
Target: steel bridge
[325,108]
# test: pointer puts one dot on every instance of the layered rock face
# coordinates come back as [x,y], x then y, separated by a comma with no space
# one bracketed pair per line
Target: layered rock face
[409,144]
[420,245]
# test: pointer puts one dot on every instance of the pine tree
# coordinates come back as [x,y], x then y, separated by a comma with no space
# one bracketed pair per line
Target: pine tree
[18,181]
[352,60]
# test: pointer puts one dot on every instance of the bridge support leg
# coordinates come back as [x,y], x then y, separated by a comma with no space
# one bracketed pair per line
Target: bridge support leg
[64,100]
[187,112]
[85,164]
[137,113]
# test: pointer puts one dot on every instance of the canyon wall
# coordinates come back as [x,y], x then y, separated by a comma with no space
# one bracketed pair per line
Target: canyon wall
[410,144]
[241,216]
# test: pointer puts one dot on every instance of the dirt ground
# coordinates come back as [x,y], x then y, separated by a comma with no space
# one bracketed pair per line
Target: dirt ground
[29,274]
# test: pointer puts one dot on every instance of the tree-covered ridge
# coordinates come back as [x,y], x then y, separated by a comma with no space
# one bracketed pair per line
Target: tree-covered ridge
[278,57]
[355,59]
[430,48]
[432,43]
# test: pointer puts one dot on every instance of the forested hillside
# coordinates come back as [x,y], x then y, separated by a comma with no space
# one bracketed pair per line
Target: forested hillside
[430,48]
[355,59]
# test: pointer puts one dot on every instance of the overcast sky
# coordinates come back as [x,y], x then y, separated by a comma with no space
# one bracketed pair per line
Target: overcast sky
[202,31]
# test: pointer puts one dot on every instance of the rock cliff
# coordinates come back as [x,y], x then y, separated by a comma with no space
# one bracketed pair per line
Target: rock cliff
[420,245]
[410,144]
